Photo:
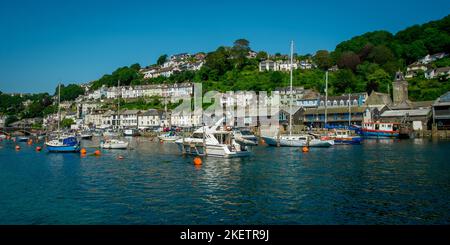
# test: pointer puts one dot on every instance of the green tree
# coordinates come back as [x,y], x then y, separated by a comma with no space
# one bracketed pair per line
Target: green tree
[69,92]
[67,122]
[323,59]
[161,59]
[344,82]
[381,55]
[378,81]
[349,60]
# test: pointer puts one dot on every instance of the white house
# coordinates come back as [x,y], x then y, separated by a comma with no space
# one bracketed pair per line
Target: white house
[442,71]
[129,119]
[149,119]
[94,119]
[430,58]
[414,68]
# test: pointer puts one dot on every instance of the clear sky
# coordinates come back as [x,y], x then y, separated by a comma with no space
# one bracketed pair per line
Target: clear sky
[43,42]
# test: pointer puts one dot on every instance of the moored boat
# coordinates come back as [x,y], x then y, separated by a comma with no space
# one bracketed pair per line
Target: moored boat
[380,130]
[113,144]
[63,144]
[245,137]
[343,137]
[297,141]
[212,141]
[170,136]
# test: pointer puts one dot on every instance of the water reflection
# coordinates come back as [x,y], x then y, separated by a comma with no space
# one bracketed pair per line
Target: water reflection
[380,181]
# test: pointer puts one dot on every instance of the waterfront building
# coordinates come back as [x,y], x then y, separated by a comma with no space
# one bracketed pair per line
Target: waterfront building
[149,119]
[94,119]
[298,94]
[129,118]
[418,118]
[26,122]
[400,89]
[441,112]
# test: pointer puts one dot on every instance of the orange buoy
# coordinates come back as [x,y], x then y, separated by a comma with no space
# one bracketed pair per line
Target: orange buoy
[17,147]
[97,153]
[197,161]
[305,149]
[119,157]
[83,151]
[30,142]
[38,148]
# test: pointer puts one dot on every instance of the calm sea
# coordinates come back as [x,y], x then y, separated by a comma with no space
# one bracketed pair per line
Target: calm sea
[379,182]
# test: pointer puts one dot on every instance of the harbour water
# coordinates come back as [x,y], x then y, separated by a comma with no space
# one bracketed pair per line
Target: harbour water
[379,182]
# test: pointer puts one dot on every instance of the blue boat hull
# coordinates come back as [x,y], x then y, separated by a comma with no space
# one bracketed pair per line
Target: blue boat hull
[74,148]
[368,134]
[353,141]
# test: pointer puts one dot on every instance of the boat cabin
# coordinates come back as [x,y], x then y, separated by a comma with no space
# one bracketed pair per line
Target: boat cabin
[381,126]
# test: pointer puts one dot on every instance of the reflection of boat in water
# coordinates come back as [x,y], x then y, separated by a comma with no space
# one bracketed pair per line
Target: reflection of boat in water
[297,141]
[170,136]
[379,130]
[63,144]
[131,132]
[344,137]
[114,144]
[22,138]
[212,141]
[245,137]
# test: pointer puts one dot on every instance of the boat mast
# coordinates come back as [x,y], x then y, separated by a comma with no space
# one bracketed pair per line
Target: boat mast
[59,106]
[326,97]
[118,104]
[349,112]
[290,96]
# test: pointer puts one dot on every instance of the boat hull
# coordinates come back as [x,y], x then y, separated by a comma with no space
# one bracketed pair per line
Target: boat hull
[75,148]
[348,141]
[379,134]
[118,146]
[197,149]
[297,143]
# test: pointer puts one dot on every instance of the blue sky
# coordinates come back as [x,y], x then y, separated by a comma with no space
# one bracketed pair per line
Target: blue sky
[43,42]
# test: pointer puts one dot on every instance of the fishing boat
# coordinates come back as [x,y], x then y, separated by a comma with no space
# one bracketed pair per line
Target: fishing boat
[111,143]
[379,130]
[62,143]
[212,141]
[343,137]
[245,137]
[169,137]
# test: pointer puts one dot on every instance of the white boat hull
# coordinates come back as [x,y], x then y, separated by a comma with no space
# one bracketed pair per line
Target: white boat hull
[197,148]
[286,142]
[114,145]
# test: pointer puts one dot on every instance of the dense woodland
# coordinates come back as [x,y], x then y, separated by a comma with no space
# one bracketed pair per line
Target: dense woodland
[366,63]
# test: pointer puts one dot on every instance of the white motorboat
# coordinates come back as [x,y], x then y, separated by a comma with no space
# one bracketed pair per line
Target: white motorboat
[114,144]
[170,137]
[212,141]
[297,141]
[245,137]
[110,133]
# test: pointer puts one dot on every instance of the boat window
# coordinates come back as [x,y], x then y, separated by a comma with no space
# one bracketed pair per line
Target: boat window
[246,132]
[377,126]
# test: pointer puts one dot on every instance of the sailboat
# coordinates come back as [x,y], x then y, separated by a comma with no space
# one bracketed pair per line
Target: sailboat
[62,143]
[291,139]
[115,143]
